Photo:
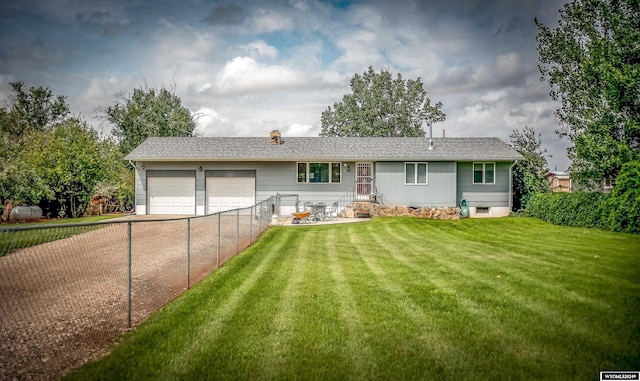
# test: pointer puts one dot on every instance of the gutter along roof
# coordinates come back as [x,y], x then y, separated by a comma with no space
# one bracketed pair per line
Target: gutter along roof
[322,149]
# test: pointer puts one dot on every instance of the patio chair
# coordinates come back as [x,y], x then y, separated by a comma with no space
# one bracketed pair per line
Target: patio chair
[332,213]
[320,211]
[308,207]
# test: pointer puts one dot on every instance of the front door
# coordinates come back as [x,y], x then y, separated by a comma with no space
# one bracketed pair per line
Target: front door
[364,181]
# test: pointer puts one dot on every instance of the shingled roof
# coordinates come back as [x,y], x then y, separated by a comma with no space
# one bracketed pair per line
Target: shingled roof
[322,149]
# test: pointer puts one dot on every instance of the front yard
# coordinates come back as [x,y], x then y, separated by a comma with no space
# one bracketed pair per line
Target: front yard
[401,298]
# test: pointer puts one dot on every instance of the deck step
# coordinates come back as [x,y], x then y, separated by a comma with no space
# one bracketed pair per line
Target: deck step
[363,213]
[363,209]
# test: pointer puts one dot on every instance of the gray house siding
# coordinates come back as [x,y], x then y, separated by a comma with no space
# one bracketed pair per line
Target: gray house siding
[439,191]
[167,170]
[271,178]
[141,187]
[484,195]
[281,177]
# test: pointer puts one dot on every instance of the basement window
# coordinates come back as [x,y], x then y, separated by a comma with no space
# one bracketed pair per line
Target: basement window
[482,210]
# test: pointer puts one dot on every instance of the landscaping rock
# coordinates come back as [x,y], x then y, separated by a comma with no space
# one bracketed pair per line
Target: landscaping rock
[437,213]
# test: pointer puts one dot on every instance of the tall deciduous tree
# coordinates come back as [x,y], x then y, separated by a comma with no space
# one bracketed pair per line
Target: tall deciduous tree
[52,159]
[27,111]
[592,62]
[380,105]
[33,109]
[528,174]
[70,158]
[148,112]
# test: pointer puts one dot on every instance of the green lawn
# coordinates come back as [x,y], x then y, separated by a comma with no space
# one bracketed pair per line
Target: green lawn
[401,298]
[17,239]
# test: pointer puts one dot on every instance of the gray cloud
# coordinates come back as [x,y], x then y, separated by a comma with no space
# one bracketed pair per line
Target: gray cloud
[102,22]
[226,14]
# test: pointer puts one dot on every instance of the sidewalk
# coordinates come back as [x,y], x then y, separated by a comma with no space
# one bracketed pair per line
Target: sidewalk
[288,221]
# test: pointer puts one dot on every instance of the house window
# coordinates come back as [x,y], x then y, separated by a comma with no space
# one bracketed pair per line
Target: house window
[319,172]
[302,172]
[415,173]
[484,173]
[335,172]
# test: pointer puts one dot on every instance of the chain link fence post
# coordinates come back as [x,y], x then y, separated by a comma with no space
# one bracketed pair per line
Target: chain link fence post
[129,278]
[219,238]
[251,225]
[188,253]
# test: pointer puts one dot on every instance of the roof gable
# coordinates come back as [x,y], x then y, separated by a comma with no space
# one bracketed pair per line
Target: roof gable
[322,149]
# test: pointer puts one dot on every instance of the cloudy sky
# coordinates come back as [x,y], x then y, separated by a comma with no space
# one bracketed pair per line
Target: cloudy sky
[247,67]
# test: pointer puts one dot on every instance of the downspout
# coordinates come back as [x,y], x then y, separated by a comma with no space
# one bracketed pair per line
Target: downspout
[135,190]
[511,186]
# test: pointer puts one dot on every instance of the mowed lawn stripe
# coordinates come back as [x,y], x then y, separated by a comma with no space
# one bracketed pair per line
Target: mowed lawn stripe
[570,323]
[319,341]
[242,326]
[313,348]
[282,324]
[420,345]
[563,316]
[448,306]
[381,319]
[357,354]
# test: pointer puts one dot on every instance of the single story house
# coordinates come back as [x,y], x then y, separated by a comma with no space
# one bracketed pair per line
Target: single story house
[203,175]
[559,181]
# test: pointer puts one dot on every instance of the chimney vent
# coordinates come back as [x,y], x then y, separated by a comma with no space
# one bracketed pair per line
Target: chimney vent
[276,138]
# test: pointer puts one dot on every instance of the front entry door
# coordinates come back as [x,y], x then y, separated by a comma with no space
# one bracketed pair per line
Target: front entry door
[364,181]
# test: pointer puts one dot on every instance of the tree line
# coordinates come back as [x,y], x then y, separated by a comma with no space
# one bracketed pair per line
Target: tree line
[52,158]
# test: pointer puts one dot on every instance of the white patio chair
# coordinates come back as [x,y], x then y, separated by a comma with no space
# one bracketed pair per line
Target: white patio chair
[308,206]
[332,213]
[320,211]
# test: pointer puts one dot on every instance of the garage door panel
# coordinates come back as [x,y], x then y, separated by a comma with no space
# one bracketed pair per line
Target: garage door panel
[171,195]
[227,193]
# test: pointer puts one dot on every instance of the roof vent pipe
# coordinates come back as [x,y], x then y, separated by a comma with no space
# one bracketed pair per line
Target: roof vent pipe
[430,137]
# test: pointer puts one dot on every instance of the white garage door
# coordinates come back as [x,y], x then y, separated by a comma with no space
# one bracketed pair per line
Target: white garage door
[171,195]
[226,193]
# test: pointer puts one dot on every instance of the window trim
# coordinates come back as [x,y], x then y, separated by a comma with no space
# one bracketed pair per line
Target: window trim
[307,165]
[415,173]
[484,172]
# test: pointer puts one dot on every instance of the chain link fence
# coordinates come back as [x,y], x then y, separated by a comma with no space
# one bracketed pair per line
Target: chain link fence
[64,300]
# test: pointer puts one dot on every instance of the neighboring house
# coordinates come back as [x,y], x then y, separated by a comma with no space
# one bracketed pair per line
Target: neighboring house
[559,181]
[202,175]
